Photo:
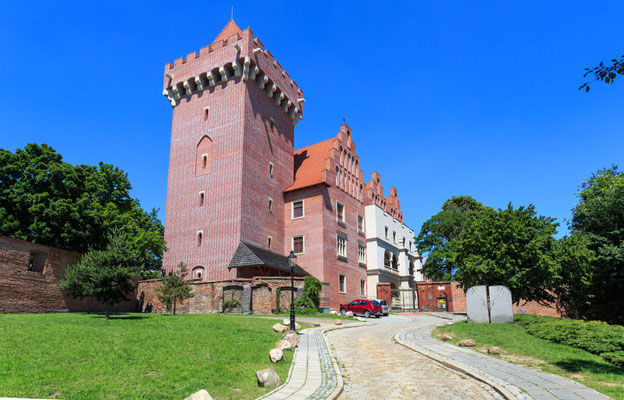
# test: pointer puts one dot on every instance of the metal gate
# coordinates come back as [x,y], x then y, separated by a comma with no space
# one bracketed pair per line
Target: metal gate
[324,300]
[405,300]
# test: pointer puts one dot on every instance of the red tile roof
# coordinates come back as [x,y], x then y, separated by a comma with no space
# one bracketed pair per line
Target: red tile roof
[230,29]
[310,162]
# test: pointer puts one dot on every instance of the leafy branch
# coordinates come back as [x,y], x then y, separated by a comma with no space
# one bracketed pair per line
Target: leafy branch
[604,73]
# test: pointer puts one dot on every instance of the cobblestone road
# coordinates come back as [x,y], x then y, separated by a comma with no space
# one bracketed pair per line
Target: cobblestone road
[374,367]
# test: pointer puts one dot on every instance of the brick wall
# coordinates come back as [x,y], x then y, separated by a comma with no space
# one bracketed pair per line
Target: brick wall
[209,296]
[431,293]
[24,291]
[384,293]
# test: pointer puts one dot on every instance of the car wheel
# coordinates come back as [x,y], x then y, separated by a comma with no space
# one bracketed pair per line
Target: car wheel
[343,311]
[367,314]
[377,316]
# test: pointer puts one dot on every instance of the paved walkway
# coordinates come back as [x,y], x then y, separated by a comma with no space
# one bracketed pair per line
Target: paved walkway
[523,382]
[374,367]
[313,374]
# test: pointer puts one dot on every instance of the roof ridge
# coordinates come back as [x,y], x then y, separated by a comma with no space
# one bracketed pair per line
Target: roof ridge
[229,29]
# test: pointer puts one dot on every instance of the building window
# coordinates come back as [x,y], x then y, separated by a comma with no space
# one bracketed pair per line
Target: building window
[204,156]
[394,236]
[201,198]
[386,230]
[200,234]
[387,259]
[198,272]
[341,244]
[271,169]
[340,214]
[395,262]
[272,123]
[362,287]
[270,204]
[297,244]
[361,253]
[297,209]
[206,112]
[269,240]
[37,262]
[342,283]
[360,223]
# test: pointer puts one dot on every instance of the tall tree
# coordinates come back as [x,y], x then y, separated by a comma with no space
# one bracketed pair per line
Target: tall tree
[437,235]
[46,200]
[108,274]
[599,217]
[511,247]
[174,287]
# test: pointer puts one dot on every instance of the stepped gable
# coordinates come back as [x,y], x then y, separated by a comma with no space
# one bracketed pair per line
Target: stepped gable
[230,29]
[374,194]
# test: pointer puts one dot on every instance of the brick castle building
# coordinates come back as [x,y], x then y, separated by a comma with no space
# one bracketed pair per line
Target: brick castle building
[240,197]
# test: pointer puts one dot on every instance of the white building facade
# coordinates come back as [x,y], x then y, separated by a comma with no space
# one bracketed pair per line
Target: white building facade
[391,257]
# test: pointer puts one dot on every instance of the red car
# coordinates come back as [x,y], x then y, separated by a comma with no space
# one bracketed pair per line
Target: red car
[363,307]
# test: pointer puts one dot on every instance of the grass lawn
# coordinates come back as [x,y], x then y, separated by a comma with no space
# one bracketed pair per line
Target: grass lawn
[316,315]
[519,347]
[134,356]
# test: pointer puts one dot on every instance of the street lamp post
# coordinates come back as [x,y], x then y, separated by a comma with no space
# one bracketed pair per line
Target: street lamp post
[291,262]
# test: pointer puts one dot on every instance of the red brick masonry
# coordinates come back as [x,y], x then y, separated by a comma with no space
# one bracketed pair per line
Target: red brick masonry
[26,289]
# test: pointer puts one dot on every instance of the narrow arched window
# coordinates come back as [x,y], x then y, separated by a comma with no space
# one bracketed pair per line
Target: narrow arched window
[203,156]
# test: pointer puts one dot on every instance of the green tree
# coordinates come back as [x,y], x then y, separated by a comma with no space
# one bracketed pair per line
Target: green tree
[604,72]
[310,300]
[46,200]
[175,287]
[437,235]
[108,274]
[511,247]
[599,217]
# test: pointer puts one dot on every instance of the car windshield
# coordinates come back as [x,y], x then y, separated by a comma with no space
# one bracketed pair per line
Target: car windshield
[375,302]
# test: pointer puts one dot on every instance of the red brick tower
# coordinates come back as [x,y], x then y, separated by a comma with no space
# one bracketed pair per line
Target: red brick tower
[231,157]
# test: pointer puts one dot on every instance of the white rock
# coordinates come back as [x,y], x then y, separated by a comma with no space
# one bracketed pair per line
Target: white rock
[338,322]
[361,319]
[283,345]
[297,326]
[268,378]
[333,312]
[276,355]
[286,321]
[201,395]
[279,328]
[349,314]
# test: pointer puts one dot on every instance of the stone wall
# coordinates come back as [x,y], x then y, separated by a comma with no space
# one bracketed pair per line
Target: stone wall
[209,296]
[30,275]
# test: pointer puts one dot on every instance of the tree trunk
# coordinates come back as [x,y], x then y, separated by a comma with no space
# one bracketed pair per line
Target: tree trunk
[174,305]
[107,311]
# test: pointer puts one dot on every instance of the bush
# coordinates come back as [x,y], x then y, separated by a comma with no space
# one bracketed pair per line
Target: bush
[596,337]
[230,304]
[309,301]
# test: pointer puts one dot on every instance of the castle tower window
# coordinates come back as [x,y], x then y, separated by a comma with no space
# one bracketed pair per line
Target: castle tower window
[270,204]
[298,245]
[340,214]
[200,235]
[198,272]
[297,209]
[272,123]
[206,112]
[271,169]
[37,262]
[269,240]
[201,198]
[204,156]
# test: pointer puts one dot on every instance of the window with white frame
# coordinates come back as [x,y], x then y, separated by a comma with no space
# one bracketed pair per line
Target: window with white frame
[340,212]
[360,223]
[361,252]
[200,235]
[297,244]
[269,242]
[342,283]
[362,288]
[271,170]
[297,209]
[341,244]
[386,232]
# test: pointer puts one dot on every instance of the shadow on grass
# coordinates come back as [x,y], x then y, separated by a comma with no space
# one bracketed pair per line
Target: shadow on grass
[594,367]
[117,316]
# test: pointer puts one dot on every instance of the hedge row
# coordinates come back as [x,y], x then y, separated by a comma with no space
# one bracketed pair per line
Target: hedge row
[596,337]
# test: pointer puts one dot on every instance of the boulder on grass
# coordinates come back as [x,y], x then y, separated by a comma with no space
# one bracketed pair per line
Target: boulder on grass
[292,337]
[333,312]
[467,343]
[276,355]
[349,313]
[268,378]
[297,326]
[494,350]
[446,337]
[279,328]
[201,395]
[338,322]
[283,345]
[286,321]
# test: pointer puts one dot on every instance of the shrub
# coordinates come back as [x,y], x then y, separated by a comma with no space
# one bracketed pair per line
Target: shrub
[596,337]
[230,304]
[309,301]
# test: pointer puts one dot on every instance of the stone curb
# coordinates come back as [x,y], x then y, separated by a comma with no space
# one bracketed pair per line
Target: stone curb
[503,391]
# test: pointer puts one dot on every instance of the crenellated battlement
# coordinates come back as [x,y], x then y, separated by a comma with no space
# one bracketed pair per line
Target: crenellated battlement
[239,57]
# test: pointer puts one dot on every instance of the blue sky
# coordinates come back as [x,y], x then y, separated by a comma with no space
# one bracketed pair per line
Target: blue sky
[444,98]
